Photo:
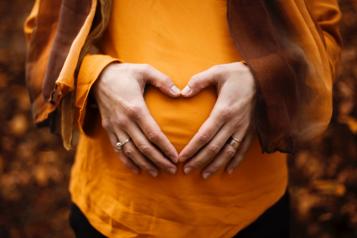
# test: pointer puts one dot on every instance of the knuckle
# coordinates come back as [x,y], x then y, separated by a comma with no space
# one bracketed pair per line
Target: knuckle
[128,151]
[230,152]
[214,149]
[134,111]
[144,148]
[122,122]
[226,113]
[153,135]
[204,138]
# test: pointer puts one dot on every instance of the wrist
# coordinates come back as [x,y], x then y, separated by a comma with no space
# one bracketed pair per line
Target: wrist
[104,74]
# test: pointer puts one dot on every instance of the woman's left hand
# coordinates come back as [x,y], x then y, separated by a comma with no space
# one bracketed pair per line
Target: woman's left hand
[225,136]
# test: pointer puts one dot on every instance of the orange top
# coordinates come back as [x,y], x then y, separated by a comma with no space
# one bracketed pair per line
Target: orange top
[180,38]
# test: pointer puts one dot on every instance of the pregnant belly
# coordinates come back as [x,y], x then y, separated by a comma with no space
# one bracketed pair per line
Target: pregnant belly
[180,118]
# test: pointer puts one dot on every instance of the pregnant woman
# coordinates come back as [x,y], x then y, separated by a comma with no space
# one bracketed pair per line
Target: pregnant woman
[173,123]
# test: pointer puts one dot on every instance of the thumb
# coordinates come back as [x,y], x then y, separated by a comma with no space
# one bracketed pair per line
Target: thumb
[199,82]
[162,82]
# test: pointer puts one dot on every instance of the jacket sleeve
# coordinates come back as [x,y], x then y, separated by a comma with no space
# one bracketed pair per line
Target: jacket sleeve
[291,48]
[295,108]
[311,105]
[39,30]
[53,51]
[58,34]
[326,14]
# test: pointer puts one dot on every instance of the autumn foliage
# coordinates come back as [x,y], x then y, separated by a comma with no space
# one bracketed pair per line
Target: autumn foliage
[34,170]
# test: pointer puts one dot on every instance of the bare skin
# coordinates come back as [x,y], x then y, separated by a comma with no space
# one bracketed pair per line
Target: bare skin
[123,85]
[119,94]
[209,149]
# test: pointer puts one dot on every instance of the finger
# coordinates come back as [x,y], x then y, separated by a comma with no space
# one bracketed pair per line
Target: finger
[130,151]
[148,150]
[200,81]
[210,151]
[240,154]
[124,159]
[161,81]
[206,132]
[230,149]
[153,132]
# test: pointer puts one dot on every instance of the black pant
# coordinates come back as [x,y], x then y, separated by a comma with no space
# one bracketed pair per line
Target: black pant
[273,223]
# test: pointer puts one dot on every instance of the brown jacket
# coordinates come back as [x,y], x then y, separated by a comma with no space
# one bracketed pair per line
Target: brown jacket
[293,62]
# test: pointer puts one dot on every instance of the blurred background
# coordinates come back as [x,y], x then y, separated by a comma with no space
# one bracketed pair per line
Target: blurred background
[34,169]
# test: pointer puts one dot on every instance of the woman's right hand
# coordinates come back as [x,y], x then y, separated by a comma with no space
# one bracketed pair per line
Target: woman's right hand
[119,95]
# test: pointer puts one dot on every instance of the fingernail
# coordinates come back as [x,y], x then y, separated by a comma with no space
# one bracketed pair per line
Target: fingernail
[186,91]
[181,158]
[153,173]
[206,175]
[175,90]
[174,158]
[172,170]
[187,170]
